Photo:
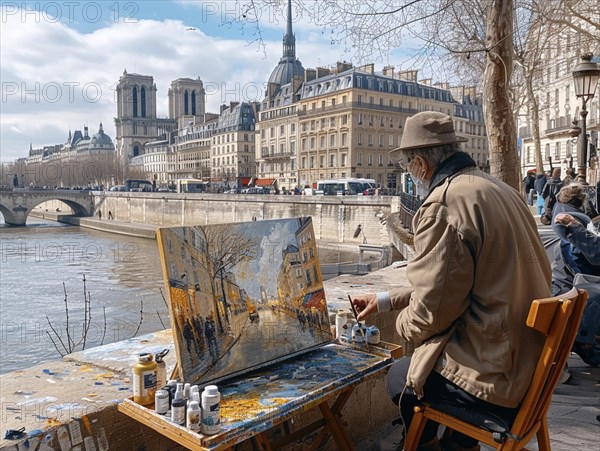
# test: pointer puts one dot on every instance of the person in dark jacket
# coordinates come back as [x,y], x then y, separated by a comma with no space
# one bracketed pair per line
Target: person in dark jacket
[529,187]
[579,253]
[539,183]
[551,189]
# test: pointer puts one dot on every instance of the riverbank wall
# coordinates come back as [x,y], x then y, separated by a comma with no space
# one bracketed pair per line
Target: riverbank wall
[122,228]
[335,219]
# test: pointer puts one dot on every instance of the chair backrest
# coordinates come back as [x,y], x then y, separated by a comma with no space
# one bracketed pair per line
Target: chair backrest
[558,319]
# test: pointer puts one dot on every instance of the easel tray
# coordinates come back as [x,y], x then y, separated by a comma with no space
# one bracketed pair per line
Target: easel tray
[253,403]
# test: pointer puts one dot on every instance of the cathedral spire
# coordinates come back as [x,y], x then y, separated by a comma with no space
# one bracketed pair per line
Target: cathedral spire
[289,40]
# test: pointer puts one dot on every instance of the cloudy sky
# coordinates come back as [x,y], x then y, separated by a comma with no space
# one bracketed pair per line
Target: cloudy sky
[61,60]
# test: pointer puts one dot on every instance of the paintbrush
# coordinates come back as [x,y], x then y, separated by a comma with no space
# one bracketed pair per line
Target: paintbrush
[362,332]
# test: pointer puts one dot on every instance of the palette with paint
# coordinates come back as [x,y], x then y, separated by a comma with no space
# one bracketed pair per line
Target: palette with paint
[253,403]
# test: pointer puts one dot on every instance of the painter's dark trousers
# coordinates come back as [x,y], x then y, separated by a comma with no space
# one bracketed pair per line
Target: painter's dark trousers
[440,389]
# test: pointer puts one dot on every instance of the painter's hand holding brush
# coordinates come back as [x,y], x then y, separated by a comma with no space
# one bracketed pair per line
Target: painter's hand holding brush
[364,304]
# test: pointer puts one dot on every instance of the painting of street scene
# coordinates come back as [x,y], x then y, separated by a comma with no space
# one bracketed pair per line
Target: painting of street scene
[242,295]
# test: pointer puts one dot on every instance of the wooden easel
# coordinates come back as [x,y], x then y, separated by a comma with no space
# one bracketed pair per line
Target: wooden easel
[329,400]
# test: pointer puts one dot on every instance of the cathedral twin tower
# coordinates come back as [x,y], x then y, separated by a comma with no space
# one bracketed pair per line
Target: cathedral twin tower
[137,123]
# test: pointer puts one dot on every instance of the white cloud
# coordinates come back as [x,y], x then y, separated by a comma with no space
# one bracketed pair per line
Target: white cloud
[55,78]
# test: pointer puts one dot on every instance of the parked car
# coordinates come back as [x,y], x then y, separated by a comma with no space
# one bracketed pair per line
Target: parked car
[119,188]
[256,190]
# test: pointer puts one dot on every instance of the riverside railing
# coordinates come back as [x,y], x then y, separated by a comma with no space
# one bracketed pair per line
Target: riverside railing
[409,205]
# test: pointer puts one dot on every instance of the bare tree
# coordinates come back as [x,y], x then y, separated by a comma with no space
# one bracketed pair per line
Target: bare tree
[542,26]
[474,37]
[372,27]
[226,247]
[65,342]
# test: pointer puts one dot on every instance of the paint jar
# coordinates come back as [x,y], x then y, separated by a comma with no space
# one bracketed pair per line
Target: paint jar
[195,394]
[161,402]
[359,332]
[192,421]
[211,410]
[178,406]
[161,368]
[373,335]
[346,335]
[144,379]
[341,319]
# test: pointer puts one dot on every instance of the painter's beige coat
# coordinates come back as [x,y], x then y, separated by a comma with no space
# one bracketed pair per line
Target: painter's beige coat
[479,264]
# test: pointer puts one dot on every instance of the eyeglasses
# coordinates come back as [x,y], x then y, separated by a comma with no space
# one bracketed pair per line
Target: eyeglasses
[404,162]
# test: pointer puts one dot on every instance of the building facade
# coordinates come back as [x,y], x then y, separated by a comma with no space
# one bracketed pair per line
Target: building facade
[192,148]
[559,110]
[215,148]
[82,160]
[233,145]
[157,162]
[341,122]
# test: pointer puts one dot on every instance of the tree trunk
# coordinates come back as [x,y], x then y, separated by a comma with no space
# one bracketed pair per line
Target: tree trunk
[499,119]
[534,110]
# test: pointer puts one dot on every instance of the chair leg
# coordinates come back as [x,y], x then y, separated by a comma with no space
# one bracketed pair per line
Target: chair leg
[543,437]
[413,436]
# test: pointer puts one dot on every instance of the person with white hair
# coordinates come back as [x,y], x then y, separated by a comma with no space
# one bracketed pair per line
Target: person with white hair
[577,263]
[479,263]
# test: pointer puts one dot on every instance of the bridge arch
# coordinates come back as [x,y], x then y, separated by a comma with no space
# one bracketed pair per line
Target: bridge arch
[78,209]
[16,205]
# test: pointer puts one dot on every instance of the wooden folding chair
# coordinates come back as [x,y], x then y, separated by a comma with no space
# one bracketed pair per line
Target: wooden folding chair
[558,319]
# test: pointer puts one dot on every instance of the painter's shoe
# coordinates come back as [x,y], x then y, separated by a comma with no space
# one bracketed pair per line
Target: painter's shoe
[452,446]
[393,441]
[565,376]
[449,445]
[431,445]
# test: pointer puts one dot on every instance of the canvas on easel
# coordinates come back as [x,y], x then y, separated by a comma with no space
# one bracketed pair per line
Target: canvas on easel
[242,295]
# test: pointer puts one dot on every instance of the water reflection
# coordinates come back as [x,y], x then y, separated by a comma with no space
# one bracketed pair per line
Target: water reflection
[121,273]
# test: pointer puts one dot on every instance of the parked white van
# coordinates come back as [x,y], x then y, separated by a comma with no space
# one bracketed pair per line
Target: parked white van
[345,187]
[327,187]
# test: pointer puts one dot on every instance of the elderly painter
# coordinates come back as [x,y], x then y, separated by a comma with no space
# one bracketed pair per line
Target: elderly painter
[479,262]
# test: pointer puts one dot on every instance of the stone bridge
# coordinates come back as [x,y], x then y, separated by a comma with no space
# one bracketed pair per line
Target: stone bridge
[16,205]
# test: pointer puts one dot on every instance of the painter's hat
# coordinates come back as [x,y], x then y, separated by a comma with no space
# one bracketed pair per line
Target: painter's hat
[428,129]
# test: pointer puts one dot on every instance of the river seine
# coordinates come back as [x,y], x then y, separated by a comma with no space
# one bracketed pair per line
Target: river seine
[122,273]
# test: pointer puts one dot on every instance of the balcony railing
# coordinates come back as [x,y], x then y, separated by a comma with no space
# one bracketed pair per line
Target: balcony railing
[276,155]
[558,130]
[525,132]
[363,105]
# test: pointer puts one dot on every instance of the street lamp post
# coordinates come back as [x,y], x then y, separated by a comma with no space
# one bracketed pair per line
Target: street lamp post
[585,76]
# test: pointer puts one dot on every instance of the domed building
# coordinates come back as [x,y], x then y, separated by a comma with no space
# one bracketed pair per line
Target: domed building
[289,66]
[98,143]
[101,142]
